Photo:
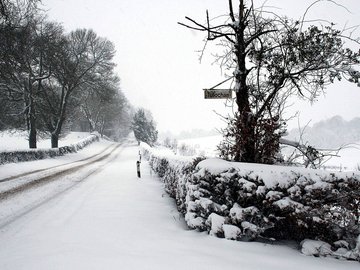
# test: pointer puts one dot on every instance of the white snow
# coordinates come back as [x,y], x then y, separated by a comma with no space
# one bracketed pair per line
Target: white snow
[204,145]
[11,169]
[238,213]
[216,223]
[272,175]
[315,247]
[274,195]
[231,232]
[113,220]
[17,140]
[287,202]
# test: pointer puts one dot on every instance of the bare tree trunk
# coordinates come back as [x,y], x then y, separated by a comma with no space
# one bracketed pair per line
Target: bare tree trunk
[54,140]
[32,105]
[32,131]
[58,126]
[246,126]
[32,118]
[56,132]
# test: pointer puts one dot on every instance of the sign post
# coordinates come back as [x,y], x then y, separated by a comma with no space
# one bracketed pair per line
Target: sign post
[216,93]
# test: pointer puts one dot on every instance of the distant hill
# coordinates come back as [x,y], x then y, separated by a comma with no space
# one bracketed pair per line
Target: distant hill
[330,133]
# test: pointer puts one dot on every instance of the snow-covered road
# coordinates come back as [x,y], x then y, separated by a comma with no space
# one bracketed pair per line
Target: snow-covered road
[18,182]
[113,220]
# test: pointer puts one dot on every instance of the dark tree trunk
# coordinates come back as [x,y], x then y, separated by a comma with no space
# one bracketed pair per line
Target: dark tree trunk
[54,140]
[58,126]
[246,150]
[32,134]
[32,119]
[246,125]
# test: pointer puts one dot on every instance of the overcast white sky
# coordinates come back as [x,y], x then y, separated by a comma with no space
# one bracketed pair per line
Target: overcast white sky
[157,60]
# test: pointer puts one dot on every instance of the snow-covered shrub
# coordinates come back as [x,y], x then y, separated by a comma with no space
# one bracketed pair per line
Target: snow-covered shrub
[174,171]
[85,142]
[281,203]
[340,249]
[229,195]
[216,223]
[244,201]
[315,248]
[37,154]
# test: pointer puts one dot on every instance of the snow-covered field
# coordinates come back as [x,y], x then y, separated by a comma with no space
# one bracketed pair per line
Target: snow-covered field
[17,140]
[113,220]
[204,145]
[347,159]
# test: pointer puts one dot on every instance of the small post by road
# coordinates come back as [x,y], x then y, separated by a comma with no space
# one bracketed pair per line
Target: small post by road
[138,168]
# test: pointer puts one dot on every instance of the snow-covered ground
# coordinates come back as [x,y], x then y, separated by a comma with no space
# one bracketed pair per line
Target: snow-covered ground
[347,159]
[205,146]
[12,169]
[17,140]
[113,220]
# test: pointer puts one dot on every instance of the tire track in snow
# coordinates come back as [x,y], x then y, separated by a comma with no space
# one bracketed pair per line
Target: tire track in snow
[53,167]
[56,175]
[26,207]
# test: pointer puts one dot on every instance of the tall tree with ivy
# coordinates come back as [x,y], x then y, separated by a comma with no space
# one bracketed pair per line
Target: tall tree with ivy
[272,58]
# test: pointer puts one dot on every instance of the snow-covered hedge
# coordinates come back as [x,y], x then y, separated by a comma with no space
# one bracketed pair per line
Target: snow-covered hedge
[36,154]
[251,201]
[174,170]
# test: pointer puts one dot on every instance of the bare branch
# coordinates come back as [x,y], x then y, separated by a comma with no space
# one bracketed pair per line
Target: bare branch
[231,11]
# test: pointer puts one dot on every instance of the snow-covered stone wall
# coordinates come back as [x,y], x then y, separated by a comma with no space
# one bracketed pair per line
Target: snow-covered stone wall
[36,154]
[252,201]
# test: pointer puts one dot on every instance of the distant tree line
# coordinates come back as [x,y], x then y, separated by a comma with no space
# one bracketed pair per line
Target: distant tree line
[52,81]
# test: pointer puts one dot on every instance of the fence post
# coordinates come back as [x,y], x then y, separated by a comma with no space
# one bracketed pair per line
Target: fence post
[138,168]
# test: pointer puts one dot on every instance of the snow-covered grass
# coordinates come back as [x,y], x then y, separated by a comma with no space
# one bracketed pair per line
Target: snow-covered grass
[11,169]
[15,153]
[11,140]
[114,220]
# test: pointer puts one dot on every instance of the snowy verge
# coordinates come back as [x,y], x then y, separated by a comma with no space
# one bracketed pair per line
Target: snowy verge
[245,202]
[37,154]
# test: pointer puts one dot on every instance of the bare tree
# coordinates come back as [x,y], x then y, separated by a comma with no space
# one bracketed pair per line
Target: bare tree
[104,106]
[83,58]
[115,119]
[27,59]
[17,12]
[272,58]
[47,75]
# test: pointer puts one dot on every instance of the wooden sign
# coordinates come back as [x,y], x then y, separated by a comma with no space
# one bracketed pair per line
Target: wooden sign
[217,93]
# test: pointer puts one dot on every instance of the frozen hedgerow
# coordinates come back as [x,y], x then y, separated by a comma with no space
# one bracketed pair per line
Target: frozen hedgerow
[242,201]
